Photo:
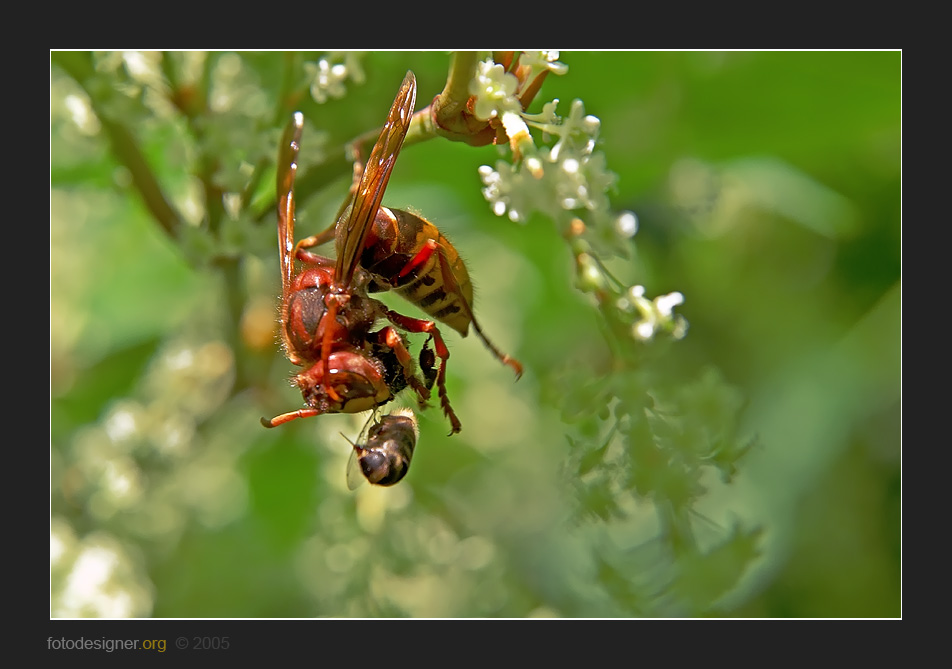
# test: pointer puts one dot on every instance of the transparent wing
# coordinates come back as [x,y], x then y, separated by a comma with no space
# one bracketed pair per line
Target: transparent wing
[354,476]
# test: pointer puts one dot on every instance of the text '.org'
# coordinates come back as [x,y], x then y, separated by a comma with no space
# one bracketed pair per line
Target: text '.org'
[105,644]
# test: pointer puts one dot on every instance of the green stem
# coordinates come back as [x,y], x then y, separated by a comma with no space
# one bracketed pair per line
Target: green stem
[449,116]
[124,147]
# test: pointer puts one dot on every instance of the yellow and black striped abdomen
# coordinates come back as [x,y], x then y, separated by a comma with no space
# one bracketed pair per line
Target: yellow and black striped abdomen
[437,286]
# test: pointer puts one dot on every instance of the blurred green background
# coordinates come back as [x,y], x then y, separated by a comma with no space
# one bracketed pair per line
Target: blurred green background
[768,191]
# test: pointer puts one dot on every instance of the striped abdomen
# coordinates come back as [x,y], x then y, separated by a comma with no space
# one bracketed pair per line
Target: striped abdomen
[438,285]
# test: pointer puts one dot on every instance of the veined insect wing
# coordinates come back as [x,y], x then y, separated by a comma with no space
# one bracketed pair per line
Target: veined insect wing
[355,477]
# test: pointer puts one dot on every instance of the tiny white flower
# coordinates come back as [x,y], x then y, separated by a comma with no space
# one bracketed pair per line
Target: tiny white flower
[643,330]
[626,225]
[667,303]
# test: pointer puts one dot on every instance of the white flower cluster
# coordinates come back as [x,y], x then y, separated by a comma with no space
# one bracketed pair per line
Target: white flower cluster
[330,72]
[565,181]
[495,91]
[569,183]
[555,181]
[654,315]
[540,61]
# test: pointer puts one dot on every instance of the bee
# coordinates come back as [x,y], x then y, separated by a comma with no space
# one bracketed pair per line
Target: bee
[383,450]
[403,252]
[327,317]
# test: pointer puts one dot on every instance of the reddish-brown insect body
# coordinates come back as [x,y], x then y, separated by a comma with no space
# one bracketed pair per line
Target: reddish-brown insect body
[407,254]
[327,317]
